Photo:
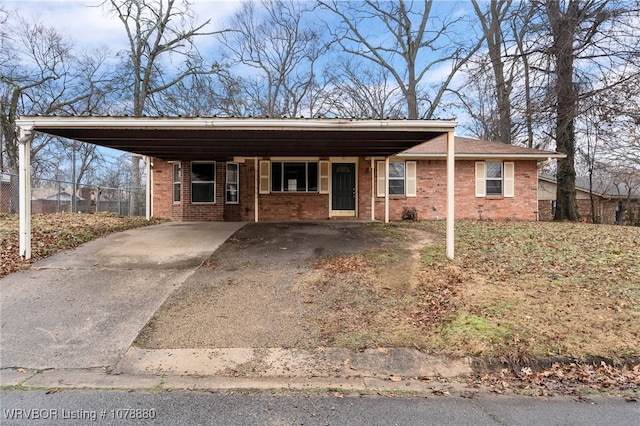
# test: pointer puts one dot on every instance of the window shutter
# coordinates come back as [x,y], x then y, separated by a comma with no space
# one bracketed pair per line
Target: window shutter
[324,177]
[411,185]
[264,177]
[481,188]
[509,179]
[381,179]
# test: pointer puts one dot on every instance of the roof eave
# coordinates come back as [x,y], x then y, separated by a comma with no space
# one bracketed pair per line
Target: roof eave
[224,123]
[537,157]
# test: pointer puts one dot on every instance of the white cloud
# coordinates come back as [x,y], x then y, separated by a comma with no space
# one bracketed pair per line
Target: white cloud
[90,25]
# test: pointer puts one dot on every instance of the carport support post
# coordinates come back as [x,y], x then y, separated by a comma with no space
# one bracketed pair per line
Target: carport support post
[450,193]
[386,190]
[147,162]
[256,165]
[373,189]
[24,163]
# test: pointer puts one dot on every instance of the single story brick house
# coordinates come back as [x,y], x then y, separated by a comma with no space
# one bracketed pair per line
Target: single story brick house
[493,181]
[259,169]
[283,169]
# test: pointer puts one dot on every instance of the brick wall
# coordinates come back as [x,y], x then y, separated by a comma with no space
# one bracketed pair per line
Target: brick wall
[278,206]
[161,196]
[365,173]
[605,210]
[163,205]
[430,202]
[293,207]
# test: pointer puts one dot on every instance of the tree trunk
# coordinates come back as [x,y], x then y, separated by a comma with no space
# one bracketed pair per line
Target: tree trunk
[564,30]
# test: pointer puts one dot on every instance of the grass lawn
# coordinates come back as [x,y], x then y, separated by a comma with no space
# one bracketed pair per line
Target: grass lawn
[52,233]
[515,290]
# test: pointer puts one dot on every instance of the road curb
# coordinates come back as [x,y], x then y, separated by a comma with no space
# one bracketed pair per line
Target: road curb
[102,379]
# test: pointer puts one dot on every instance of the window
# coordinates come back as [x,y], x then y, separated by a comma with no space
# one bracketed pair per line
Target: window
[494,178]
[294,176]
[402,178]
[203,182]
[396,178]
[232,188]
[177,178]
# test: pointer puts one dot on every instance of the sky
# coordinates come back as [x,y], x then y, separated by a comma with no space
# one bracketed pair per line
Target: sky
[90,26]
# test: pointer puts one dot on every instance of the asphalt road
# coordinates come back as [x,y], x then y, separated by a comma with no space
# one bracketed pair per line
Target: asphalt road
[84,407]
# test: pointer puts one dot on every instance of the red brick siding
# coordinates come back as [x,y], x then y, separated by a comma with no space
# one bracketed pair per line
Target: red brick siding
[431,192]
[430,202]
[365,172]
[162,177]
[545,209]
[605,210]
[247,190]
[185,210]
[312,206]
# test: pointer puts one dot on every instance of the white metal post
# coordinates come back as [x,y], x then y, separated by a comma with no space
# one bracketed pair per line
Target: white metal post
[373,189]
[256,166]
[24,164]
[147,162]
[386,190]
[450,194]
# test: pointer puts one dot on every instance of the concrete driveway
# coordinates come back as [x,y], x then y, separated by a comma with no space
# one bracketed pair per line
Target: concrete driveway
[84,307]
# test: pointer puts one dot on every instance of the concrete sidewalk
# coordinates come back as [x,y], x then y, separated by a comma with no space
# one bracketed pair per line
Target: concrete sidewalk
[83,308]
[338,369]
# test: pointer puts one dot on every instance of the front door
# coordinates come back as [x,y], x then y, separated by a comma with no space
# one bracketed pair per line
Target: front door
[343,188]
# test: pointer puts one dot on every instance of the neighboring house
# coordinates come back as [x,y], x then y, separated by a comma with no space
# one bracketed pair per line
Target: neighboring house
[313,169]
[45,200]
[613,203]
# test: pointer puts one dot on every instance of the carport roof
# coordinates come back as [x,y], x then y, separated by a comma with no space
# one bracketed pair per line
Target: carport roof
[219,138]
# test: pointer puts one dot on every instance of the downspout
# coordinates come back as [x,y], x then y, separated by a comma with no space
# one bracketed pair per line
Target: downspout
[24,162]
[256,174]
[450,194]
[386,190]
[373,191]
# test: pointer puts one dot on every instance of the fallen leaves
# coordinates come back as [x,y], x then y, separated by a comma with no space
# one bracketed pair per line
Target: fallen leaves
[51,233]
[563,379]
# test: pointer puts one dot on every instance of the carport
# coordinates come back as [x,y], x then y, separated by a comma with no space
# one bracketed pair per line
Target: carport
[223,138]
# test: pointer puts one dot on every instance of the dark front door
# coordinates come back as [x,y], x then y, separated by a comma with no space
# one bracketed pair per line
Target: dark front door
[343,189]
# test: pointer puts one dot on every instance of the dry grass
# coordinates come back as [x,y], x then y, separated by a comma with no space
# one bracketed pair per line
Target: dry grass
[515,290]
[52,233]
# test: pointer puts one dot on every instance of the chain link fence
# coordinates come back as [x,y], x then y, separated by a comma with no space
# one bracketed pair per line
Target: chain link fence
[55,196]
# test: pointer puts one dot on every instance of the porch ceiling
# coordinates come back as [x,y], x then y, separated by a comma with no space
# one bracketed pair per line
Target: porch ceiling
[225,138]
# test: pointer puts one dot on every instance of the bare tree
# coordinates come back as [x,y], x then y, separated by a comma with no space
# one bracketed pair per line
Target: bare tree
[40,75]
[593,45]
[623,111]
[478,99]
[492,21]
[281,46]
[359,89]
[156,30]
[415,42]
